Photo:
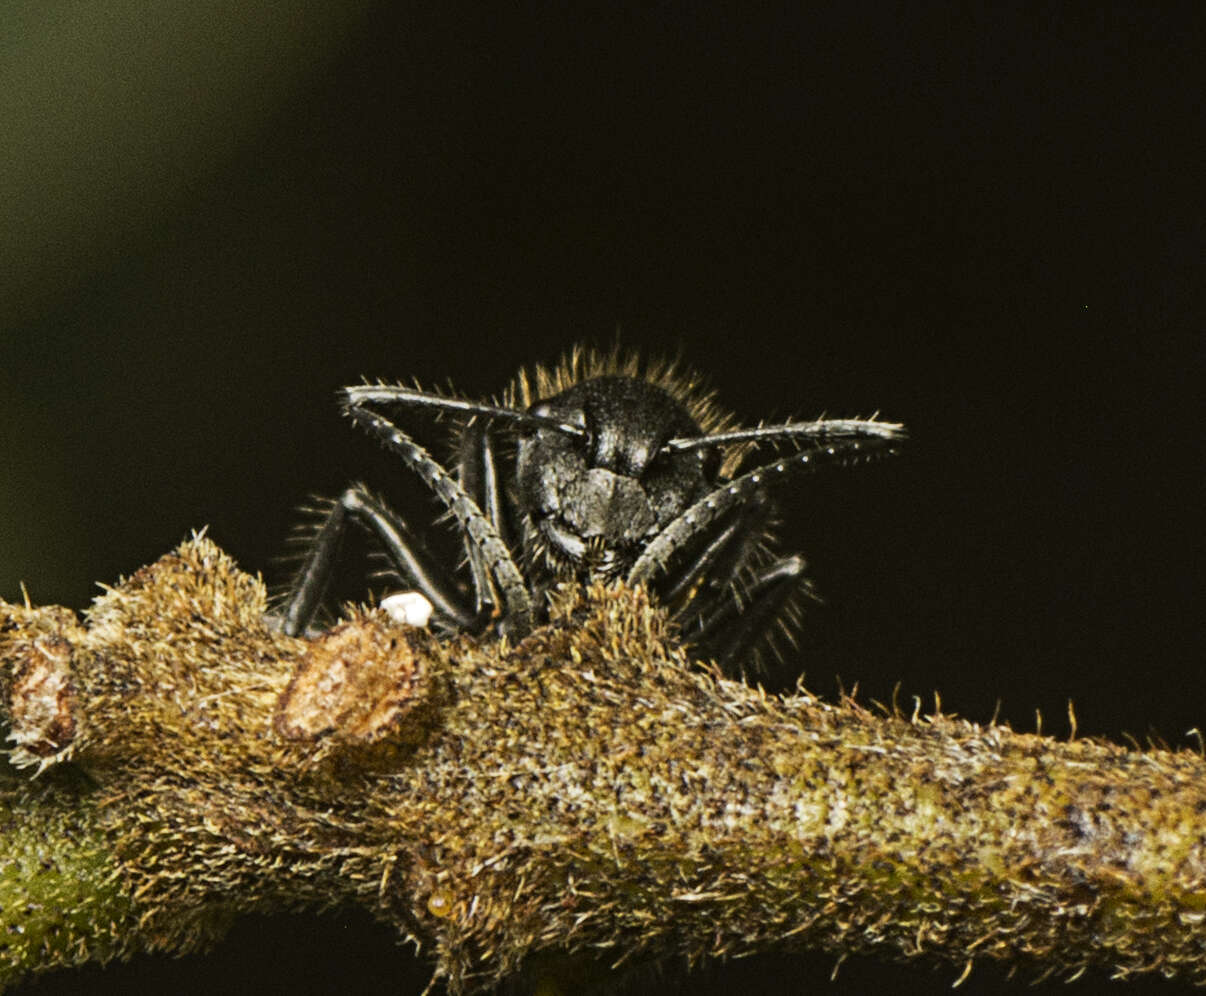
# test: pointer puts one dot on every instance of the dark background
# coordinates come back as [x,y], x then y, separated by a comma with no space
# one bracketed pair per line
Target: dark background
[987,225]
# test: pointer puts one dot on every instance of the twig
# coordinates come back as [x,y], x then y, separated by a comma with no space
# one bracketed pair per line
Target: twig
[587,790]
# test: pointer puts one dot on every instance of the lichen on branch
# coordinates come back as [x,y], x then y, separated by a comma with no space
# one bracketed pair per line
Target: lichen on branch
[587,789]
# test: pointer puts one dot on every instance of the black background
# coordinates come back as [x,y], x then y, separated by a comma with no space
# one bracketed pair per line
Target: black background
[987,225]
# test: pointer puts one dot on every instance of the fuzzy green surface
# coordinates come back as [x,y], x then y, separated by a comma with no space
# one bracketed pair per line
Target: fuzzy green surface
[61,901]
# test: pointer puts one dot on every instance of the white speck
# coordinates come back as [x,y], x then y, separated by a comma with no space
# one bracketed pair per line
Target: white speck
[410,608]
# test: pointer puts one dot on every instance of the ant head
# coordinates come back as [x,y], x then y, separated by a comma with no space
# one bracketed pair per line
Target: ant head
[593,498]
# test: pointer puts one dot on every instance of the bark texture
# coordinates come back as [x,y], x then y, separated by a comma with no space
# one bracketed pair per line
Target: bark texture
[586,790]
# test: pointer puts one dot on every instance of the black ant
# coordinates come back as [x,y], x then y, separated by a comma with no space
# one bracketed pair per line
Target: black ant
[597,468]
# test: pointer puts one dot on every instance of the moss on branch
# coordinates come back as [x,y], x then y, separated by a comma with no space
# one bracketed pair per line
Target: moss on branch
[584,790]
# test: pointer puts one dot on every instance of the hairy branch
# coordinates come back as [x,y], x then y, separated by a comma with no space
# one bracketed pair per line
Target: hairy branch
[586,789]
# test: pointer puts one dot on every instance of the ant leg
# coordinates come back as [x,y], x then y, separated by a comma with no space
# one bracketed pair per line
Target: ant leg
[700,582]
[742,622]
[478,474]
[311,580]
[477,529]
[701,516]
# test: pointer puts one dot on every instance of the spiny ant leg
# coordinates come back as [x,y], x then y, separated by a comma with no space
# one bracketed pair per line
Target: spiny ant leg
[315,573]
[405,556]
[706,577]
[680,583]
[478,474]
[695,520]
[478,530]
[740,624]
[310,582]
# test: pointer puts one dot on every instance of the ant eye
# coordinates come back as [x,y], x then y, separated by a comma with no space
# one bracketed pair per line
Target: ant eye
[586,437]
[710,459]
[574,419]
